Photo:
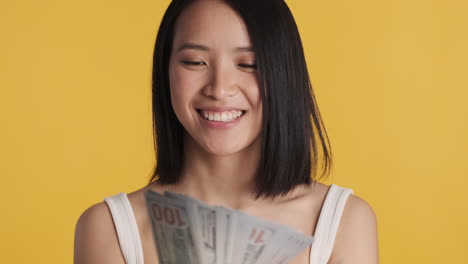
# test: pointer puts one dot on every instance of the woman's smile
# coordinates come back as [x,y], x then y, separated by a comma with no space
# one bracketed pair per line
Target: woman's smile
[220,120]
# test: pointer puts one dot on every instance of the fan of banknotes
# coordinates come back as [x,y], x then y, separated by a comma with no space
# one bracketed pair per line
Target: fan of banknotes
[189,231]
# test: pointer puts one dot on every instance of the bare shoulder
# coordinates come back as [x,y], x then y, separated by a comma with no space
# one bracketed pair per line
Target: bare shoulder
[356,239]
[95,237]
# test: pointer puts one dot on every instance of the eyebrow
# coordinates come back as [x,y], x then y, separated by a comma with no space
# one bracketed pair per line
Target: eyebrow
[194,46]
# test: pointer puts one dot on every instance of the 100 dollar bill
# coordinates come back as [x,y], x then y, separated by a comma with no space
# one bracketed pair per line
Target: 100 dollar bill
[172,230]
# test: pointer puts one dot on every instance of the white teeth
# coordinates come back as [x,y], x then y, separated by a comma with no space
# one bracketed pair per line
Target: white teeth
[226,116]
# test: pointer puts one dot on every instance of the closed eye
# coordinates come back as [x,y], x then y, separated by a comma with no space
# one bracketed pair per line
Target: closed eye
[200,63]
[254,66]
[196,63]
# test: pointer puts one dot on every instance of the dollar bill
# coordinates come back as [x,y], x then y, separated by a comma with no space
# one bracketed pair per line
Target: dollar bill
[284,246]
[254,237]
[203,216]
[172,230]
[227,223]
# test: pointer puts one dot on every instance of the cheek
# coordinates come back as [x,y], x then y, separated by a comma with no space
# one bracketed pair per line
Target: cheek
[178,99]
[183,81]
[183,88]
[252,92]
[178,86]
[256,97]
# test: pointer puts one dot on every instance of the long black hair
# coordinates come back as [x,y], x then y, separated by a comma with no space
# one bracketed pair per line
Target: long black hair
[292,128]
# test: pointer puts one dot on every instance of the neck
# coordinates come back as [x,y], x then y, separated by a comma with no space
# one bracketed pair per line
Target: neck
[227,180]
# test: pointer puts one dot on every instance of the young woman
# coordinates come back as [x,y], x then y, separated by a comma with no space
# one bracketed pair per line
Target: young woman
[236,125]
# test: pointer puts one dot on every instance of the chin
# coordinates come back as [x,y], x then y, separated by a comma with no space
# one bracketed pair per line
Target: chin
[223,149]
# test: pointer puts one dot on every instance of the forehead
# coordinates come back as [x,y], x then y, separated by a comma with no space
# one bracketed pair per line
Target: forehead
[212,23]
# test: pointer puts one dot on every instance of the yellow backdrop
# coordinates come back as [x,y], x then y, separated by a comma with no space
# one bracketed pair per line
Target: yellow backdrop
[391,79]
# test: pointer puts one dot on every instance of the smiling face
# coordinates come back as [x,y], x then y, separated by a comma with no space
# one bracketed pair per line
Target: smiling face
[213,79]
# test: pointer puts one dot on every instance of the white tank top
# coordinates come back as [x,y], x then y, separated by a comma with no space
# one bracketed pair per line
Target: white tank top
[324,236]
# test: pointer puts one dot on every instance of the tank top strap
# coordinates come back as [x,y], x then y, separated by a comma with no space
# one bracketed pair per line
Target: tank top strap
[327,225]
[126,227]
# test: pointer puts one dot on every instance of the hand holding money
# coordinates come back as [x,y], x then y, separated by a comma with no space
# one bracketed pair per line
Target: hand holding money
[189,231]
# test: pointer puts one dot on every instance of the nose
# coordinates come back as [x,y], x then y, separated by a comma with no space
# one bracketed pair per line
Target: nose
[221,82]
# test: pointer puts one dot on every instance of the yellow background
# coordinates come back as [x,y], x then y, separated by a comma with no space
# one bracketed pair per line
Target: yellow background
[391,79]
